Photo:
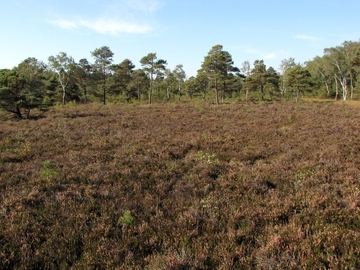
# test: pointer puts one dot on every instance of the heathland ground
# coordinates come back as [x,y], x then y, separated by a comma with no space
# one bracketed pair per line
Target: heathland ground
[182,186]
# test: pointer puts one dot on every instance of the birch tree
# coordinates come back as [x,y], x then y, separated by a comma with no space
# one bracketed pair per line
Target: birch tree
[246,70]
[62,65]
[285,65]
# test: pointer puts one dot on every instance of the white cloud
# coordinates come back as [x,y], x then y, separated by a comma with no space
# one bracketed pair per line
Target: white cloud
[115,26]
[119,16]
[270,56]
[64,23]
[104,26]
[262,54]
[306,37]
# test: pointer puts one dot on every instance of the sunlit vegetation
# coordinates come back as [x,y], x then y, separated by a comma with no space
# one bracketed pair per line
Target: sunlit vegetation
[34,84]
[182,185]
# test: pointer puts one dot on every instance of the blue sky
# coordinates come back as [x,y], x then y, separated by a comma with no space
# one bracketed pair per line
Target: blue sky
[179,31]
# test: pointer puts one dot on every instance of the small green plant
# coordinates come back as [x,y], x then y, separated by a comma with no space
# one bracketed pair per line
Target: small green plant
[25,148]
[290,120]
[126,219]
[207,157]
[47,172]
[209,206]
[18,147]
[302,175]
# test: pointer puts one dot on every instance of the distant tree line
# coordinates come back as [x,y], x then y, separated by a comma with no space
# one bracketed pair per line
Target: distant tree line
[35,84]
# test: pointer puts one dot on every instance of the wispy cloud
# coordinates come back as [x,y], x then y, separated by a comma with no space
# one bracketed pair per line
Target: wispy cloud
[121,16]
[66,24]
[104,26]
[115,26]
[305,37]
[262,54]
[271,55]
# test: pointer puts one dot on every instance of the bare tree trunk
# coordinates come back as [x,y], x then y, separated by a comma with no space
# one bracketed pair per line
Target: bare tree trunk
[216,93]
[327,89]
[18,112]
[104,87]
[262,92]
[223,93]
[343,81]
[63,94]
[336,89]
[138,92]
[351,86]
[326,84]
[344,87]
[28,113]
[104,94]
[150,92]
[151,86]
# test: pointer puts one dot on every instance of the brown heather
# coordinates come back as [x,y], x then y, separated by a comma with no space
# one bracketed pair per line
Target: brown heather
[182,186]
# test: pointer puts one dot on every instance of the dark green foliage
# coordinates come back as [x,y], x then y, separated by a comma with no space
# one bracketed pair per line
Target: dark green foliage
[103,59]
[22,88]
[217,66]
[299,79]
[265,81]
[154,68]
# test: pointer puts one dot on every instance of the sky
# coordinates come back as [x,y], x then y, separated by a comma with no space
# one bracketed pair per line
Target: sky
[178,31]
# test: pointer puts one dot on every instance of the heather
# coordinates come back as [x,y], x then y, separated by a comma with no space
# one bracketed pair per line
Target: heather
[181,185]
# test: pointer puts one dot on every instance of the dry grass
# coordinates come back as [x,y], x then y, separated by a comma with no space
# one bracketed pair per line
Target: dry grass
[182,186]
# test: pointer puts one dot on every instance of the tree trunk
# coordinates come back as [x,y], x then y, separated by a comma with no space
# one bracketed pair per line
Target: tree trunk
[63,94]
[86,95]
[28,113]
[344,87]
[104,91]
[326,84]
[18,112]
[138,92]
[327,89]
[216,93]
[223,93]
[351,86]
[150,92]
[336,89]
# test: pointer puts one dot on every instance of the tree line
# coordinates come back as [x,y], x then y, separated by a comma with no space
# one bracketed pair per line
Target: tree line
[35,84]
